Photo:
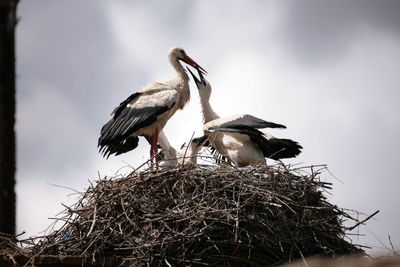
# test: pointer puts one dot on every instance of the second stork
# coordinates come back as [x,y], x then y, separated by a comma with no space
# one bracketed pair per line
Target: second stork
[237,137]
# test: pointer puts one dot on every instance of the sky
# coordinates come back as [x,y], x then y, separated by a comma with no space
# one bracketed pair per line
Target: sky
[328,70]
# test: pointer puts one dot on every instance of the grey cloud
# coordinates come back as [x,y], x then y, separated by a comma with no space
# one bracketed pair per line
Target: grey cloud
[319,31]
[62,52]
[71,48]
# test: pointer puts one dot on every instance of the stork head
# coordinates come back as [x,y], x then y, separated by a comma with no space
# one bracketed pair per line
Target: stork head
[178,53]
[203,85]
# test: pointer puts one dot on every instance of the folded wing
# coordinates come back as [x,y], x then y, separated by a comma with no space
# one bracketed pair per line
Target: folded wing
[135,113]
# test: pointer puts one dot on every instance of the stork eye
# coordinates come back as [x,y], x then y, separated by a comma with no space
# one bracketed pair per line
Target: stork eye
[182,52]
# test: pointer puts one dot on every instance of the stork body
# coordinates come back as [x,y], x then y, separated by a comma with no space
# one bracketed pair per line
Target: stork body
[146,112]
[238,138]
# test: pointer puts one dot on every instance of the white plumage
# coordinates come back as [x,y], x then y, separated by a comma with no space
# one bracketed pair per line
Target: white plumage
[237,137]
[146,112]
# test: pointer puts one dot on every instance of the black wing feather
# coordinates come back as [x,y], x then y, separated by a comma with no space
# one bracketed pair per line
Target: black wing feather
[249,121]
[282,148]
[123,104]
[116,135]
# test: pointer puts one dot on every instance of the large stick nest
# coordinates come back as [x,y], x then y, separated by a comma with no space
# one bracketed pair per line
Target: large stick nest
[211,215]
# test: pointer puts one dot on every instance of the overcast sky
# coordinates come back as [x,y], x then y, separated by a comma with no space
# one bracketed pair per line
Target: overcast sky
[328,70]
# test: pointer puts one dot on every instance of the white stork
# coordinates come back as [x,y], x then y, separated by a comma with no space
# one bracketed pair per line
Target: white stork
[187,155]
[237,137]
[146,112]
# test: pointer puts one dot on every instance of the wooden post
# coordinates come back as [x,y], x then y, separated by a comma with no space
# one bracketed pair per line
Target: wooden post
[7,115]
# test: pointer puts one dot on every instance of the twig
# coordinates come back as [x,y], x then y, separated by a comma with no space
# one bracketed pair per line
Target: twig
[363,221]
[93,221]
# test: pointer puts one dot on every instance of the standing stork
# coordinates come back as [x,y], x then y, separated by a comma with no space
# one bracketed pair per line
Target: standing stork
[146,112]
[237,137]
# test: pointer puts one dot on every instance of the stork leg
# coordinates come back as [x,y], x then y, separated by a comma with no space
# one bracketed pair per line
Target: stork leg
[154,148]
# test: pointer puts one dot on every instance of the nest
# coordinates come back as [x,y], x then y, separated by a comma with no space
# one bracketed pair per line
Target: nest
[204,215]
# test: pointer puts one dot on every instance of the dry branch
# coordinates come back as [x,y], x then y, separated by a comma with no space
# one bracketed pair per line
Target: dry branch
[204,215]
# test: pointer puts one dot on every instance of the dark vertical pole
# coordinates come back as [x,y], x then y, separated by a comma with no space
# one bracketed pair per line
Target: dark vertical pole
[7,115]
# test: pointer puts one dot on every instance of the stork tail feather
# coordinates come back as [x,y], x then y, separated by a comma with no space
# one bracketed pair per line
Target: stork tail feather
[283,148]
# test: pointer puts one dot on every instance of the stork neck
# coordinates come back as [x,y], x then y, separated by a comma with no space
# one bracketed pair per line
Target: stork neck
[208,113]
[179,69]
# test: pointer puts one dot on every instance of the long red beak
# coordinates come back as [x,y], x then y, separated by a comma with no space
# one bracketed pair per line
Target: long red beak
[193,63]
